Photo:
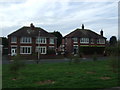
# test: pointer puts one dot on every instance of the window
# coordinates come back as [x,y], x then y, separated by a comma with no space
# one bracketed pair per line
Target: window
[84,40]
[13,39]
[51,47]
[101,41]
[41,40]
[41,49]
[25,50]
[25,40]
[92,41]
[75,40]
[51,40]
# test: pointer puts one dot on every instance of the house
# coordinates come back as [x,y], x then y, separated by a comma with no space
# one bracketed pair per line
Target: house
[31,40]
[89,41]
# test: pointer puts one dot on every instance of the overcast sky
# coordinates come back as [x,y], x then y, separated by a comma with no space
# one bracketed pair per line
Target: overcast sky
[63,16]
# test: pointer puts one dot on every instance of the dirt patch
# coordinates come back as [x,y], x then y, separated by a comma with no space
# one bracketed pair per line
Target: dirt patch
[105,78]
[46,82]
[69,72]
[92,72]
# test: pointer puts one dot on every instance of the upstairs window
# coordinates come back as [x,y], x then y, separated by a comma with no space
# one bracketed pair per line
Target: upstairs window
[25,40]
[52,41]
[101,41]
[92,41]
[13,40]
[84,40]
[41,40]
[75,40]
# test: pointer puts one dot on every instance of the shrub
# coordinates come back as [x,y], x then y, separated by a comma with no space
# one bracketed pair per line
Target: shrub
[50,51]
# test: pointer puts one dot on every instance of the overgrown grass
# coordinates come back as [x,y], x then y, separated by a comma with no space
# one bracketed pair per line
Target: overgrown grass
[63,75]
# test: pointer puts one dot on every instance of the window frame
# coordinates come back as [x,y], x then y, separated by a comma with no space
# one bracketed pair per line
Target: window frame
[23,51]
[41,40]
[75,40]
[84,40]
[13,39]
[100,41]
[41,49]
[25,40]
[53,42]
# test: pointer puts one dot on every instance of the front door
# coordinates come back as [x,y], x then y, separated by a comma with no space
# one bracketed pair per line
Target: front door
[75,49]
[13,52]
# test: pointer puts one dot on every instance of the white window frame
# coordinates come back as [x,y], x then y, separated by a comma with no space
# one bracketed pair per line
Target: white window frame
[52,41]
[75,41]
[41,40]
[101,41]
[84,40]
[21,49]
[92,41]
[13,39]
[25,40]
[43,49]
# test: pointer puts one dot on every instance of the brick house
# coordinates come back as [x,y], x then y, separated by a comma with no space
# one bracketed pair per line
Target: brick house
[86,38]
[28,40]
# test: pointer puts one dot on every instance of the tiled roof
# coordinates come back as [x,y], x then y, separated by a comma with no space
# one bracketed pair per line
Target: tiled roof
[27,31]
[85,33]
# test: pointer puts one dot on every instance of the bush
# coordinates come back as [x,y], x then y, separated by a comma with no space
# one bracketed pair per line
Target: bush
[50,51]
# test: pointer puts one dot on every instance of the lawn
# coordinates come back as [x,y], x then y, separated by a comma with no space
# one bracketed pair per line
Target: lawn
[88,74]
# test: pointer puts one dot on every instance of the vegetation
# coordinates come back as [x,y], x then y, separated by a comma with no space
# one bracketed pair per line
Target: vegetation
[59,37]
[5,45]
[113,41]
[50,51]
[62,75]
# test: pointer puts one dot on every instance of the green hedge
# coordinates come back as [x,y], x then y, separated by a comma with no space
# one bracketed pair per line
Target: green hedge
[91,50]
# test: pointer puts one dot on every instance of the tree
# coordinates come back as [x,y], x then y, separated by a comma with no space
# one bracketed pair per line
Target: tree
[113,41]
[4,42]
[5,45]
[59,37]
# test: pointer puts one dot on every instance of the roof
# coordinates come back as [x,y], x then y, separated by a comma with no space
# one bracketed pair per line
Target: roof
[28,32]
[85,33]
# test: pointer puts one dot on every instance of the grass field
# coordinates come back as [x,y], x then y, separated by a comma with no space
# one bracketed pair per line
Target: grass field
[62,75]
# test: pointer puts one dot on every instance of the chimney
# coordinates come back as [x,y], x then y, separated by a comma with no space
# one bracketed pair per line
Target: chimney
[101,32]
[82,26]
[32,26]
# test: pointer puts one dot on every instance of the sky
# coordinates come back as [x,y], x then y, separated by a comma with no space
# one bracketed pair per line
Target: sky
[60,15]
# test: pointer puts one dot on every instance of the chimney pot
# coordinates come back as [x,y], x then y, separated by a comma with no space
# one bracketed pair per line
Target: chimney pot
[82,26]
[32,26]
[101,32]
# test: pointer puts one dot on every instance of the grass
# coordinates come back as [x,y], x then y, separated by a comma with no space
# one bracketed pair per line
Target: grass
[62,75]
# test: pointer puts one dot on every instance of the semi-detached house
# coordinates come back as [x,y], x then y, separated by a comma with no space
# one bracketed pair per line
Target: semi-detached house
[28,40]
[89,40]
